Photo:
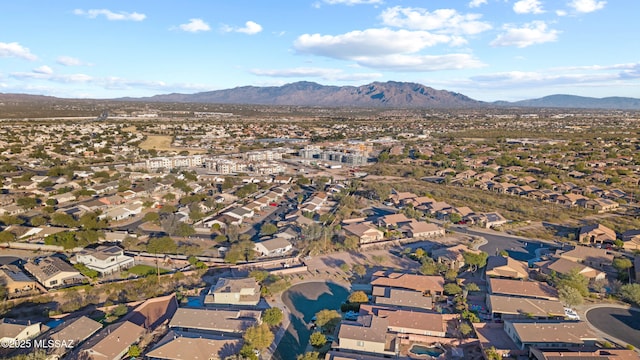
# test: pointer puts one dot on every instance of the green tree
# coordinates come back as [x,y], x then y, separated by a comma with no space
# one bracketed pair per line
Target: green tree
[6,236]
[328,319]
[134,351]
[317,339]
[360,270]
[268,229]
[84,270]
[465,329]
[311,355]
[184,230]
[472,287]
[574,280]
[27,202]
[570,296]
[63,219]
[622,265]
[259,336]
[452,289]
[358,297]
[151,217]
[272,316]
[455,218]
[630,293]
[475,261]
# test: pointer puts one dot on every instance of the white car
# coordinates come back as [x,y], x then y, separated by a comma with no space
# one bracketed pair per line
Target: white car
[571,314]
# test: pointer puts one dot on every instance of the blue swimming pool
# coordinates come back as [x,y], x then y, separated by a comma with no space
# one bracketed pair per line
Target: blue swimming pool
[54,323]
[425,350]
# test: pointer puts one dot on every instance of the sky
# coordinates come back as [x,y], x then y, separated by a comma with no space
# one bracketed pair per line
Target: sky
[486,49]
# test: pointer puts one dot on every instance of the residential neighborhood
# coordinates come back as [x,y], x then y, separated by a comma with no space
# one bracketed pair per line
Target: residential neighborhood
[196,236]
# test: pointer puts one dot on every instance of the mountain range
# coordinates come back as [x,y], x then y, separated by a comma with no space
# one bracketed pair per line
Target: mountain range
[389,94]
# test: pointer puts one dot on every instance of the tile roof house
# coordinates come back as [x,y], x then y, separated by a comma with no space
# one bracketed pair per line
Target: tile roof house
[596,233]
[589,256]
[422,229]
[176,346]
[509,307]
[112,342]
[16,281]
[549,334]
[105,259]
[583,353]
[506,267]
[54,272]
[452,256]
[428,285]
[213,321]
[273,247]
[234,291]
[394,220]
[401,298]
[153,312]
[14,329]
[631,239]
[366,232]
[72,332]
[521,288]
[564,267]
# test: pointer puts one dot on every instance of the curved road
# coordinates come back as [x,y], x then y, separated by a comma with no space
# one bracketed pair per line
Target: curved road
[304,301]
[617,322]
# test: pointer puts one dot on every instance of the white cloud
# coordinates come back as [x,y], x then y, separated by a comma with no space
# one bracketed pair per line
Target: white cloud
[44,69]
[15,50]
[250,28]
[370,42]
[477,3]
[69,61]
[352,2]
[528,7]
[309,72]
[194,26]
[587,6]
[110,15]
[441,20]
[561,13]
[535,32]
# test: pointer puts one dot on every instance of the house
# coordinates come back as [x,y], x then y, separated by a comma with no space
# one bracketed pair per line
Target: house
[72,332]
[12,330]
[394,220]
[589,256]
[408,321]
[273,247]
[596,234]
[510,308]
[179,346]
[452,256]
[366,232]
[506,267]
[631,239]
[16,281]
[112,342]
[401,298]
[564,267]
[550,334]
[422,229]
[153,312]
[488,220]
[427,285]
[53,272]
[234,291]
[210,321]
[368,335]
[240,213]
[105,259]
[521,288]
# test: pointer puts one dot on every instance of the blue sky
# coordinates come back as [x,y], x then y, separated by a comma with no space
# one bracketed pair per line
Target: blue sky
[486,49]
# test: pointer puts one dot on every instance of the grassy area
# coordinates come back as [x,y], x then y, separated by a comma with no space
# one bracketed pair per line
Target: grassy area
[144,270]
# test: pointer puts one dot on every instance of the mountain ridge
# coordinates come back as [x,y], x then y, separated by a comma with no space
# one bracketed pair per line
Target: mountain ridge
[390,94]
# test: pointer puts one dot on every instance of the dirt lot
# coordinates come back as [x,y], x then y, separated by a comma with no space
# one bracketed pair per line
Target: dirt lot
[163,143]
